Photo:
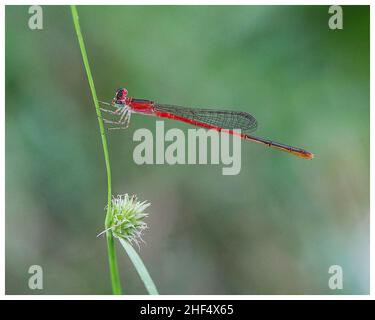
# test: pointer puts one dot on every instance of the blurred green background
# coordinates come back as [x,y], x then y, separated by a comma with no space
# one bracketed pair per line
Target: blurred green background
[275,228]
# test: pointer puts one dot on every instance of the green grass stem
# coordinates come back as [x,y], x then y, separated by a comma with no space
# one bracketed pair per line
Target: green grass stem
[115,278]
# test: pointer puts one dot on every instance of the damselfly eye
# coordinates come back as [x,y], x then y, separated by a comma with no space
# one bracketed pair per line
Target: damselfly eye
[120,94]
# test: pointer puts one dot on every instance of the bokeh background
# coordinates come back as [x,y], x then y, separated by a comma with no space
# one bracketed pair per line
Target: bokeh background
[275,228]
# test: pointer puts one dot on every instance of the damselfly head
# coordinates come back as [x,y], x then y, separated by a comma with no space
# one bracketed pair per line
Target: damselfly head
[120,96]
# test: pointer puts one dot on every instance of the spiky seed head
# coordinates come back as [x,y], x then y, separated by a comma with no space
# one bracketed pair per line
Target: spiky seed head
[128,218]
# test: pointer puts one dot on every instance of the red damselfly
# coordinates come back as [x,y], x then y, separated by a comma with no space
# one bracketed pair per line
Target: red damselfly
[220,120]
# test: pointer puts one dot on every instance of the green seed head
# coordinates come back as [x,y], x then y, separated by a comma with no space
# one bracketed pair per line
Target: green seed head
[127,218]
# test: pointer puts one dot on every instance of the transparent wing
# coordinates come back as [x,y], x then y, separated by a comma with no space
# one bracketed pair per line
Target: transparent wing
[220,118]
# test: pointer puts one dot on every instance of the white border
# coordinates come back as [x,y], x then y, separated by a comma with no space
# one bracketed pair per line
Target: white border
[177,297]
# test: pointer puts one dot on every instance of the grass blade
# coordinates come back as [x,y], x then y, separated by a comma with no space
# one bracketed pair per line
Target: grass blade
[140,267]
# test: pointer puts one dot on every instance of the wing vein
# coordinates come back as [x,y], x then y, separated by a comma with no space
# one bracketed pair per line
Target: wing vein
[225,119]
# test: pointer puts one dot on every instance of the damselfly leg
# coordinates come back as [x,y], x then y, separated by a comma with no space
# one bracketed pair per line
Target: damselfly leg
[123,123]
[124,114]
[116,112]
[110,111]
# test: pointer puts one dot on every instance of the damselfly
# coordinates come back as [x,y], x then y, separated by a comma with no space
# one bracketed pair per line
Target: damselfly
[222,121]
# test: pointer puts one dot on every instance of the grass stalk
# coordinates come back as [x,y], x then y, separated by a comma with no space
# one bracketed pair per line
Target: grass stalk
[115,278]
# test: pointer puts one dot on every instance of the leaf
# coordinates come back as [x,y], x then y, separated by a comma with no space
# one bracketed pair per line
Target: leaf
[140,267]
